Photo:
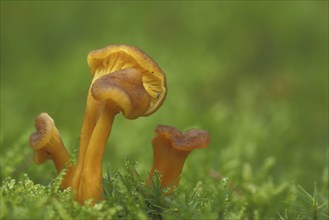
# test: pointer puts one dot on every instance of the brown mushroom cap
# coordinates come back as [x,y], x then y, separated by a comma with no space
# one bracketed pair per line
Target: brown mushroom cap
[187,141]
[120,56]
[123,90]
[45,126]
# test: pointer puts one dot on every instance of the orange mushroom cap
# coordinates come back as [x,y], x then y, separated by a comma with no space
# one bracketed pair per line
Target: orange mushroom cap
[183,141]
[121,56]
[45,130]
[123,89]
[45,126]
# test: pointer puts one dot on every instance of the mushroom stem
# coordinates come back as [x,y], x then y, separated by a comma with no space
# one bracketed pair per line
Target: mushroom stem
[60,157]
[91,175]
[57,150]
[91,116]
[168,162]
[88,126]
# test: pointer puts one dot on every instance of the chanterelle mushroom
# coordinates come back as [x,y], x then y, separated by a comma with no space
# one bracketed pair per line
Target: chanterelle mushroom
[48,145]
[170,149]
[121,56]
[125,80]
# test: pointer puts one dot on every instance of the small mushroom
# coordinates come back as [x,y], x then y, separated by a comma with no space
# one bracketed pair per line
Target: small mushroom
[125,80]
[170,149]
[48,145]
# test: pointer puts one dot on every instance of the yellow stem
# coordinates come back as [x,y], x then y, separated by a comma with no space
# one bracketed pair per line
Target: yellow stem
[60,157]
[93,109]
[91,176]
[88,126]
[169,163]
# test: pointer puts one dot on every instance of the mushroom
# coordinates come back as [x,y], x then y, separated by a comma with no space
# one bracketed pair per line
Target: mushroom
[48,145]
[125,80]
[170,149]
[110,59]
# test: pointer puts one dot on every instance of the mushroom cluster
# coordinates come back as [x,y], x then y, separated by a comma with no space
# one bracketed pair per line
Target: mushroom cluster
[126,80]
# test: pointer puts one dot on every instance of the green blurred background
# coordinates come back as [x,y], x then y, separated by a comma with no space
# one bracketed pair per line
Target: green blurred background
[254,74]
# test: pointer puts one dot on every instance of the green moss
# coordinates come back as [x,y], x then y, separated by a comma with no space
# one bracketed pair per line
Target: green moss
[128,197]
